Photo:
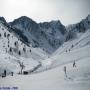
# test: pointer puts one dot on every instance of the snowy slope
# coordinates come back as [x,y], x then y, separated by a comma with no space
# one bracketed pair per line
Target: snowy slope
[67,53]
[11,42]
[77,78]
[9,52]
[47,35]
[54,78]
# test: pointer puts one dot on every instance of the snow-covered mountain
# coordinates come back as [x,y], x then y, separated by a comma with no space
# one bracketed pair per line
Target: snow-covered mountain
[41,43]
[13,49]
[77,40]
[48,35]
[75,47]
[54,78]
[75,29]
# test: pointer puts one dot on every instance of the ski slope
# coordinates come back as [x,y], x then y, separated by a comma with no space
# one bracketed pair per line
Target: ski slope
[8,60]
[50,75]
[67,53]
[78,78]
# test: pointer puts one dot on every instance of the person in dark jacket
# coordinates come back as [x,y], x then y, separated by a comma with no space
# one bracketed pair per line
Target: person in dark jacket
[5,73]
[74,64]
[65,71]
[11,73]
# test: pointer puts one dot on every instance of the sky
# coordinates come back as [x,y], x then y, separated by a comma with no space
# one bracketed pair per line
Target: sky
[67,11]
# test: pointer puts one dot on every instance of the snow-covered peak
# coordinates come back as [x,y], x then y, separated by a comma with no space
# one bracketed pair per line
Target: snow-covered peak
[43,38]
[2,19]
[12,49]
[75,29]
[23,23]
[23,19]
[47,35]
[88,18]
[55,22]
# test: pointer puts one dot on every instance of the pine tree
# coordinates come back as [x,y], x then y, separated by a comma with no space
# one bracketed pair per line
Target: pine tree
[15,43]
[19,53]
[8,35]
[24,49]
[30,50]
[8,45]
[5,34]
[10,49]
[0,35]
[72,46]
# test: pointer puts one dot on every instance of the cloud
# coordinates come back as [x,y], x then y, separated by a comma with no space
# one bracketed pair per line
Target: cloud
[68,11]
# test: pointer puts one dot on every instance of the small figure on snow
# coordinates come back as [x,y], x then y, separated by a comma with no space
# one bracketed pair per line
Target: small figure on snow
[11,73]
[4,74]
[69,50]
[66,50]
[74,64]
[65,71]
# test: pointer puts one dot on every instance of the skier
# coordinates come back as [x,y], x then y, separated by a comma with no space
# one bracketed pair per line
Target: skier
[5,73]
[66,50]
[74,64]
[11,73]
[65,71]
[69,50]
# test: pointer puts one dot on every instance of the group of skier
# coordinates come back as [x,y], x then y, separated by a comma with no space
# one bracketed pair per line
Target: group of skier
[65,69]
[4,74]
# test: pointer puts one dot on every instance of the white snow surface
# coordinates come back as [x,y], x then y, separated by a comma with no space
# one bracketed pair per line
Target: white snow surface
[54,79]
[52,76]
[78,78]
[9,60]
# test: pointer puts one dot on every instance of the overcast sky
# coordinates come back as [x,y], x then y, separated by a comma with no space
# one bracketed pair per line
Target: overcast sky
[67,11]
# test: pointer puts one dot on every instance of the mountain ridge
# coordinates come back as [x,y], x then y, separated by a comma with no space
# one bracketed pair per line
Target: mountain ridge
[47,35]
[37,45]
[41,35]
